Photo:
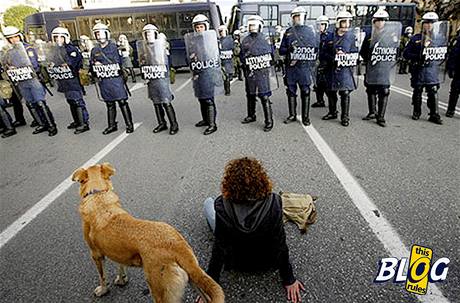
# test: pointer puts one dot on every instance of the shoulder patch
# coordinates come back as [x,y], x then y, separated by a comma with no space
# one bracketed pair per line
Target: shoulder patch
[30,53]
[73,54]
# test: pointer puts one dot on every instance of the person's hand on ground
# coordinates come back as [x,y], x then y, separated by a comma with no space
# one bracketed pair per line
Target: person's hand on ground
[293,291]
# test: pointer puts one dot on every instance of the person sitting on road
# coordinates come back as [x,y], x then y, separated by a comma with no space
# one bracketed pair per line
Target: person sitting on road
[247,221]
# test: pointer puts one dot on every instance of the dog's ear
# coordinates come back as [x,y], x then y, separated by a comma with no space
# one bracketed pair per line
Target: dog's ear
[80,175]
[107,170]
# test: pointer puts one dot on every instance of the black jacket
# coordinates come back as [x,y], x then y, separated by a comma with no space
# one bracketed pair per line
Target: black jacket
[250,237]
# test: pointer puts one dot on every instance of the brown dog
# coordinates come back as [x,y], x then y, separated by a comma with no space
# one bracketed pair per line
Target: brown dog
[167,259]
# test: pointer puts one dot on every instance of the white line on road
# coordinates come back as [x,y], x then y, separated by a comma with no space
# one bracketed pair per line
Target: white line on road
[137,86]
[41,205]
[382,228]
[183,85]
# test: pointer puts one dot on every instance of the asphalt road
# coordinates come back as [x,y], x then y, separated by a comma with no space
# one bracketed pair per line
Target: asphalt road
[409,170]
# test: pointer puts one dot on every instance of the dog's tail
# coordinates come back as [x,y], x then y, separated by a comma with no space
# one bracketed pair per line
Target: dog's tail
[206,286]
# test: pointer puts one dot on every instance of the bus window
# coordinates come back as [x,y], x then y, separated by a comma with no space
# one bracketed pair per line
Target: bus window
[269,13]
[84,26]
[407,15]
[331,11]
[139,22]
[71,26]
[316,11]
[166,23]
[394,12]
[185,21]
[285,20]
[245,19]
[39,31]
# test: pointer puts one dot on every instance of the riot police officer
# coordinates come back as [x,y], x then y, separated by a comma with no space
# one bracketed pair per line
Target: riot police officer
[226,46]
[257,59]
[322,23]
[341,49]
[236,54]
[279,58]
[64,62]
[106,65]
[21,64]
[204,60]
[426,51]
[379,51]
[300,47]
[153,60]
[453,68]
[404,40]
[126,52]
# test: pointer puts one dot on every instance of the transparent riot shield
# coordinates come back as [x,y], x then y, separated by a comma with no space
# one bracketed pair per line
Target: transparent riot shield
[226,46]
[434,52]
[346,48]
[384,46]
[204,60]
[57,62]
[258,62]
[304,48]
[16,63]
[153,61]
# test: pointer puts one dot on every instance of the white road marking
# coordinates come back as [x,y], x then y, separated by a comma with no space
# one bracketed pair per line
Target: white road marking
[41,205]
[381,227]
[137,86]
[183,85]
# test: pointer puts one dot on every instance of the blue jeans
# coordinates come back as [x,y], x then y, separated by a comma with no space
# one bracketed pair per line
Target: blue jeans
[210,213]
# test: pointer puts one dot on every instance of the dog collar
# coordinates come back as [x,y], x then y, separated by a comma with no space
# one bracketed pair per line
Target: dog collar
[94,191]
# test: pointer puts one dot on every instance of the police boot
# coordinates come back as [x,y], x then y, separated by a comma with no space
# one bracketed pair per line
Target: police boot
[160,113]
[453,99]
[111,118]
[240,74]
[251,105]
[172,118]
[82,125]
[18,111]
[227,87]
[211,119]
[417,103]
[267,107]
[319,98]
[41,126]
[292,106]
[126,112]
[332,100]
[305,107]
[8,129]
[382,105]
[34,122]
[133,74]
[371,102]
[204,114]
[48,117]
[73,111]
[345,106]
[432,102]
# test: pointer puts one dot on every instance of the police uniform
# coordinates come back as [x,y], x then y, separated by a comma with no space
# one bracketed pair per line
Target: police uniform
[236,58]
[340,79]
[403,62]
[254,48]
[453,67]
[72,88]
[6,123]
[300,49]
[321,79]
[226,58]
[111,83]
[423,76]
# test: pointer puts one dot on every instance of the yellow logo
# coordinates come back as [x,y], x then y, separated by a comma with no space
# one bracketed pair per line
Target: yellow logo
[419,268]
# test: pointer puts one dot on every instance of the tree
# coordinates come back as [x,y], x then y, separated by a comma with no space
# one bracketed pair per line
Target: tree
[15,15]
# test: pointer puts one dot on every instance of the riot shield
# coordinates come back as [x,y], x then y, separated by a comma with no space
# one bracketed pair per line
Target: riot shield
[346,48]
[204,60]
[153,61]
[57,62]
[305,49]
[16,63]
[226,54]
[258,61]
[384,46]
[434,52]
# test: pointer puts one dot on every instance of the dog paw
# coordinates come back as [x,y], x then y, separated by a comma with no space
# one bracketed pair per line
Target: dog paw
[100,291]
[121,280]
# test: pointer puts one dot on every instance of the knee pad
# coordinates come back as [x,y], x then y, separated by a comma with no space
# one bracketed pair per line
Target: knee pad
[344,93]
[122,102]
[431,89]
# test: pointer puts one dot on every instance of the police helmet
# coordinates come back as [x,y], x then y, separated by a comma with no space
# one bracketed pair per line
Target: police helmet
[255,24]
[60,32]
[342,16]
[150,33]
[103,30]
[12,31]
[409,30]
[380,14]
[243,29]
[298,11]
[200,19]
[323,20]
[430,17]
[222,30]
